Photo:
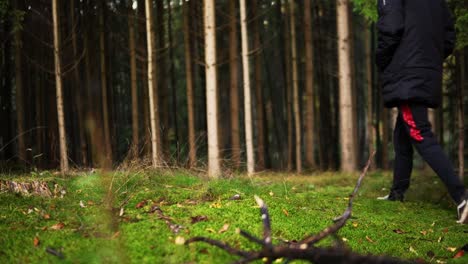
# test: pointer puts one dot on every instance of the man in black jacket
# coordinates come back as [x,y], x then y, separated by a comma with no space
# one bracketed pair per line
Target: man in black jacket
[414,38]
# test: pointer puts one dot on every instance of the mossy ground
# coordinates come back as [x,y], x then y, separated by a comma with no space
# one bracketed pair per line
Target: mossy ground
[423,227]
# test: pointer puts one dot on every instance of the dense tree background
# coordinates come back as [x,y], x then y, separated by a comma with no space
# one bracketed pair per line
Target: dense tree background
[104,71]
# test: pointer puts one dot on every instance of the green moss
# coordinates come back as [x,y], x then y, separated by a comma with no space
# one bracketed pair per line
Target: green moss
[299,205]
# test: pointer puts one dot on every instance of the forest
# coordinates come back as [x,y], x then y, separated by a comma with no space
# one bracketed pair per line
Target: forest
[278,108]
[138,131]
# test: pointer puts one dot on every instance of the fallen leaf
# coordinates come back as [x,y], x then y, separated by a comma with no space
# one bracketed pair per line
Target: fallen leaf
[369,239]
[115,235]
[121,211]
[199,218]
[90,202]
[445,230]
[399,231]
[412,250]
[154,208]
[355,224]
[141,204]
[424,232]
[215,205]
[451,249]
[440,239]
[46,216]
[82,204]
[211,230]
[179,240]
[36,241]
[224,228]
[272,193]
[57,226]
[344,239]
[459,254]
[235,197]
[286,212]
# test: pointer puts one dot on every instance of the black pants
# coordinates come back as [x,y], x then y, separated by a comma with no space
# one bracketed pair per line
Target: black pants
[413,128]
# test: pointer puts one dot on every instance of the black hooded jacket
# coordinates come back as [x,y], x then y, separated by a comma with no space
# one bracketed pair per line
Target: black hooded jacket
[414,38]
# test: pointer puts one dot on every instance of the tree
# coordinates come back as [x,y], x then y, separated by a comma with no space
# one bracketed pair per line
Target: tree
[133,78]
[190,87]
[234,84]
[151,84]
[58,85]
[247,97]
[309,87]
[20,106]
[347,126]
[214,170]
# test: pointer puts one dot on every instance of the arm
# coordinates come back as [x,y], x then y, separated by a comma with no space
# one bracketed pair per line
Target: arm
[390,27]
[449,43]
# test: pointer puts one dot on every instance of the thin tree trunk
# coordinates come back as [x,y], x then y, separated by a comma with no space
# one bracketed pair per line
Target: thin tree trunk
[134,82]
[20,116]
[288,97]
[309,93]
[461,118]
[190,87]
[295,79]
[151,83]
[247,97]
[78,92]
[105,105]
[347,126]
[370,116]
[234,84]
[58,83]
[214,170]
[173,81]
[259,105]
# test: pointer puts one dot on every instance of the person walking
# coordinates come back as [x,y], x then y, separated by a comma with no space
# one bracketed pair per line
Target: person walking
[414,38]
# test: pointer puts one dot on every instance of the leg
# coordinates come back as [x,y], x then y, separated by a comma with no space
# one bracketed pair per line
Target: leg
[419,129]
[403,158]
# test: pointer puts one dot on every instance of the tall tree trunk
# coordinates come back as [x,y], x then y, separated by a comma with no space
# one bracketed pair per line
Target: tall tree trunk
[154,120]
[175,118]
[20,116]
[78,93]
[6,151]
[190,87]
[310,94]
[461,118]
[134,81]
[295,79]
[105,99]
[214,170]
[247,97]
[347,126]
[260,109]
[58,84]
[288,97]
[234,84]
[370,116]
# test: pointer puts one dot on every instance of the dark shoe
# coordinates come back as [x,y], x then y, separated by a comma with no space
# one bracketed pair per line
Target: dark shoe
[393,196]
[462,210]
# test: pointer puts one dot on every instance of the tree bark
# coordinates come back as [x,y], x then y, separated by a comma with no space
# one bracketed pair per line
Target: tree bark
[370,116]
[288,97]
[259,105]
[460,61]
[214,170]
[154,120]
[20,116]
[190,87]
[347,127]
[234,84]
[134,82]
[105,99]
[247,97]
[309,93]
[6,151]
[58,84]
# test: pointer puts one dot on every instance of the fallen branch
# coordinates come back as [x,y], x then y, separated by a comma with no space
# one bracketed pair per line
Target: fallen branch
[305,249]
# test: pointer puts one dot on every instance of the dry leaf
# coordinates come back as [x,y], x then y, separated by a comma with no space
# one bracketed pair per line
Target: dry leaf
[271,193]
[46,216]
[115,235]
[82,204]
[355,224]
[215,205]
[199,218]
[57,226]
[141,204]
[179,240]
[121,211]
[412,250]
[459,254]
[286,212]
[224,228]
[211,230]
[451,249]
[369,239]
[90,203]
[424,232]
[36,241]
[399,231]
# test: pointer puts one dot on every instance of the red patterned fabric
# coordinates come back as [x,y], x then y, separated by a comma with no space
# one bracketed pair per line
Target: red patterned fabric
[415,133]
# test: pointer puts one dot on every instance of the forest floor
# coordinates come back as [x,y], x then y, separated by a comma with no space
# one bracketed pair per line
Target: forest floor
[149,207]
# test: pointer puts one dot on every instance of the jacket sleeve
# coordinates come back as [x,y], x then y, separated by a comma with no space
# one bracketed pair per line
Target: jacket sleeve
[449,43]
[390,28]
